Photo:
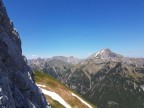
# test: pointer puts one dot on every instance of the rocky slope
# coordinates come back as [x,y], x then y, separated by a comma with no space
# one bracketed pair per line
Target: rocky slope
[17,87]
[118,87]
[109,84]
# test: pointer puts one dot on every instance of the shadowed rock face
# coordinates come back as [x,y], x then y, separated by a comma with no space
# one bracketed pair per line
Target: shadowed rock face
[17,87]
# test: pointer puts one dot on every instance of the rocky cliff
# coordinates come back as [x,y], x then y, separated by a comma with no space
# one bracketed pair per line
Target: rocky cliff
[17,87]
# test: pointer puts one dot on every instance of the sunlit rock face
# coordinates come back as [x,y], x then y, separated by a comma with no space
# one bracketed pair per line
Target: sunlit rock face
[17,87]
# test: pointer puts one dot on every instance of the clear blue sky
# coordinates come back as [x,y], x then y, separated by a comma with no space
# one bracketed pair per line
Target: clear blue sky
[78,27]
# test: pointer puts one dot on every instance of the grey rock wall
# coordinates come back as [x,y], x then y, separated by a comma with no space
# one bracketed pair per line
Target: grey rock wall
[17,87]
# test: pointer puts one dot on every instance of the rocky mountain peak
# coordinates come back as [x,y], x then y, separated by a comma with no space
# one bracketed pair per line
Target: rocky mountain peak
[105,51]
[106,55]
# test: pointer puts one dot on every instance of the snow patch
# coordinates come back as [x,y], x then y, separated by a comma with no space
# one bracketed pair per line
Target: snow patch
[81,100]
[39,85]
[97,53]
[54,96]
[1,97]
[142,86]
[103,51]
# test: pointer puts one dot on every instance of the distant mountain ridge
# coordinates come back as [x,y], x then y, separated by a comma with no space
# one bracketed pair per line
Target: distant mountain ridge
[70,59]
[59,65]
[55,66]
[100,56]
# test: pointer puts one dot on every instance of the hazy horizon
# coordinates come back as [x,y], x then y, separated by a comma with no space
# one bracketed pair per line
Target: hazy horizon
[78,28]
[85,57]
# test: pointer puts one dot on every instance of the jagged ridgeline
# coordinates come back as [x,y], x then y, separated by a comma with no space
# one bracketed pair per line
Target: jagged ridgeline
[17,87]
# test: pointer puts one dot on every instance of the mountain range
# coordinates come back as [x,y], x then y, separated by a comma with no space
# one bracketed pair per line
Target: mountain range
[106,79]
[55,66]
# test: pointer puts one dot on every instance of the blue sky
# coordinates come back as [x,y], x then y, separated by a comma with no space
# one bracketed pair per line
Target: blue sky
[78,27]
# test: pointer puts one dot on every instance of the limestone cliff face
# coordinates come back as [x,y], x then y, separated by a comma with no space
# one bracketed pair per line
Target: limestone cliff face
[17,87]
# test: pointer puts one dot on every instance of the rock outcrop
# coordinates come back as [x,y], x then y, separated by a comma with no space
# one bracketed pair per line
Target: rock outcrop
[17,87]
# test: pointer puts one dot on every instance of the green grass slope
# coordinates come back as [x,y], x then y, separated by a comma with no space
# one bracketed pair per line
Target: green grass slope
[59,88]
